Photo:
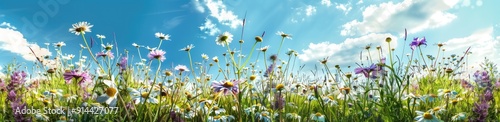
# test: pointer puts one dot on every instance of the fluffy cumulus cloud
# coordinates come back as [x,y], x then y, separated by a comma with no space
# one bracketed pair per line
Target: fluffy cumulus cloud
[198,7]
[416,15]
[13,41]
[327,3]
[347,52]
[219,11]
[483,44]
[346,8]
[310,10]
[209,28]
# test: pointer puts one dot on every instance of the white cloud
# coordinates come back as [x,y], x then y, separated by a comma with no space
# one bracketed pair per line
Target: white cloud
[479,3]
[198,6]
[219,11]
[416,15]
[327,3]
[13,41]
[310,10]
[347,52]
[483,44]
[209,28]
[359,2]
[7,25]
[344,7]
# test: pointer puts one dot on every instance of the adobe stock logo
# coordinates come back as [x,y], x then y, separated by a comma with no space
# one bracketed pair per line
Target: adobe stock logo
[39,19]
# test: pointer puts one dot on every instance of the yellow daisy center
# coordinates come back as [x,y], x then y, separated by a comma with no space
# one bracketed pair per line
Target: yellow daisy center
[223,38]
[447,91]
[53,91]
[228,84]
[66,95]
[280,86]
[144,94]
[111,92]
[252,77]
[427,115]
[264,114]
[80,29]
[216,117]
[436,109]
[318,114]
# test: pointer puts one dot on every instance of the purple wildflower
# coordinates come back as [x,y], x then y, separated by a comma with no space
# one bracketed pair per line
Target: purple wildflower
[104,54]
[80,77]
[18,116]
[482,79]
[269,70]
[481,107]
[175,117]
[279,102]
[226,86]
[480,111]
[497,84]
[17,79]
[367,70]
[12,96]
[417,42]
[157,54]
[466,84]
[123,64]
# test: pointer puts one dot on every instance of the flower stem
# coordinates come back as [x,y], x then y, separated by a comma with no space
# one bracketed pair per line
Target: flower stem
[90,51]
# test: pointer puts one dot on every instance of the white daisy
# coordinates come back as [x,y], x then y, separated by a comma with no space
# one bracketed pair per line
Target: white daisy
[139,96]
[284,35]
[187,48]
[425,117]
[110,96]
[204,56]
[224,38]
[59,44]
[101,36]
[181,68]
[80,28]
[318,117]
[162,36]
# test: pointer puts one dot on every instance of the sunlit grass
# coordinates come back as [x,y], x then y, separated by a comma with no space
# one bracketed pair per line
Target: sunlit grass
[109,87]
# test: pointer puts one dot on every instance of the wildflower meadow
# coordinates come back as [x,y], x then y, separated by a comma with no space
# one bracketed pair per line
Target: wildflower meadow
[108,84]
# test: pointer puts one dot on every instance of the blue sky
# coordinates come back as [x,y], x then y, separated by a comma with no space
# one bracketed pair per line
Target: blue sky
[320,28]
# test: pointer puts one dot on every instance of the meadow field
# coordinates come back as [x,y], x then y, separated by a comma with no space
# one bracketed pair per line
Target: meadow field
[112,85]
